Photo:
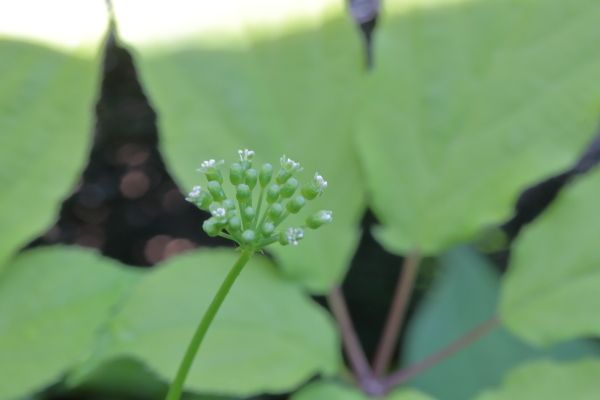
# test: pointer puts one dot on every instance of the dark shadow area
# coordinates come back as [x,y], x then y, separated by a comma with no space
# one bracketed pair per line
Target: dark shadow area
[535,199]
[126,204]
[370,284]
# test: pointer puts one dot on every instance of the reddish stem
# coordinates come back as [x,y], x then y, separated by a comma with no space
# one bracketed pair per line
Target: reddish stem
[469,338]
[396,314]
[356,355]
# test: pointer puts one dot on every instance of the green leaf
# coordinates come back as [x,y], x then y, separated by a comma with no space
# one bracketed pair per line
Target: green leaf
[53,301]
[267,337]
[463,296]
[323,390]
[130,379]
[470,101]
[551,290]
[550,381]
[275,76]
[49,80]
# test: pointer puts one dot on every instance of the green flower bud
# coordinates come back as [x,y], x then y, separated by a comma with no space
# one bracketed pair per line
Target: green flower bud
[232,213]
[275,211]
[248,236]
[211,227]
[251,177]
[282,176]
[291,236]
[211,170]
[216,190]
[201,198]
[319,219]
[249,213]
[309,192]
[235,224]
[290,186]
[243,193]
[273,193]
[238,217]
[236,174]
[295,204]
[229,204]
[267,228]
[266,173]
[214,176]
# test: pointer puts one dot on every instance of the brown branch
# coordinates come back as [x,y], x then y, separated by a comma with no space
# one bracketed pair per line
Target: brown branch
[356,355]
[396,314]
[467,339]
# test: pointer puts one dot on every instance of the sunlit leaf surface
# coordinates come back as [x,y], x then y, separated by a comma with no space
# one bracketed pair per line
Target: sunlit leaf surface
[49,74]
[469,102]
[551,290]
[268,335]
[53,303]
[278,77]
[550,381]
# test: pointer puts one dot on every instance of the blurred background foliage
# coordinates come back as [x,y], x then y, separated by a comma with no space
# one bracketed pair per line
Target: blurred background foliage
[433,114]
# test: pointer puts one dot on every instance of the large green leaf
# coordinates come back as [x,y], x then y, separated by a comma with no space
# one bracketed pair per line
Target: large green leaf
[53,301]
[462,297]
[324,390]
[268,336]
[276,76]
[47,85]
[127,379]
[551,289]
[550,381]
[470,101]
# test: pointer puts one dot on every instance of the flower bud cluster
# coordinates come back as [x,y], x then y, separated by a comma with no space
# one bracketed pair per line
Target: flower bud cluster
[255,222]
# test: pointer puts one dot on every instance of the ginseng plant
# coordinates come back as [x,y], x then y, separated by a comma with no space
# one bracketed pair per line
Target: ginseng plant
[252,222]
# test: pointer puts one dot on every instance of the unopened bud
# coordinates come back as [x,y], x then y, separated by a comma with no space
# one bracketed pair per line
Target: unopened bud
[251,176]
[243,193]
[295,204]
[266,173]
[216,190]
[275,211]
[289,187]
[248,236]
[235,224]
[211,227]
[283,176]
[249,213]
[228,204]
[236,174]
[273,193]
[267,228]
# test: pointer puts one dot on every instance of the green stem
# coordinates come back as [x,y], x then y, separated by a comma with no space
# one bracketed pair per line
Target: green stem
[283,216]
[190,354]
[264,217]
[227,236]
[258,207]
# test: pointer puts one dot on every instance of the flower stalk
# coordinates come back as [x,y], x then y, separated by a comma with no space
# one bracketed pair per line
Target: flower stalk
[239,218]
[176,387]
